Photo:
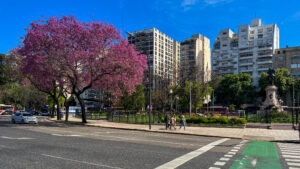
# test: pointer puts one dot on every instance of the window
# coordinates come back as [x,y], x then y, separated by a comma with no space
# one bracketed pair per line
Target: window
[260,36]
[295,57]
[224,33]
[260,30]
[252,32]
[293,66]
[280,58]
[278,52]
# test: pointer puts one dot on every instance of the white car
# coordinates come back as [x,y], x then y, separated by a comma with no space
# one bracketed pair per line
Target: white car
[23,117]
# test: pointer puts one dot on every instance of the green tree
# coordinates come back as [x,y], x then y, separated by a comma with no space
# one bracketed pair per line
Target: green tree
[236,89]
[283,81]
[199,93]
[135,101]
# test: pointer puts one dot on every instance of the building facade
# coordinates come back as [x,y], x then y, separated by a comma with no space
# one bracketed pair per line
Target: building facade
[162,53]
[289,58]
[248,51]
[195,61]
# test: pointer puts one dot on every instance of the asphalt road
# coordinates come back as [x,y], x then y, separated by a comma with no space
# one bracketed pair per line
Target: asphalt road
[57,145]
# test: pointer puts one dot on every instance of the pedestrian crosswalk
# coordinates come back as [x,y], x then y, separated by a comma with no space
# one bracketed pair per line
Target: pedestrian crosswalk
[222,161]
[291,154]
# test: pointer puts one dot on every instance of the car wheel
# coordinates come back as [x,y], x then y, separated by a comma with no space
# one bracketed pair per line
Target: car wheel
[22,121]
[13,121]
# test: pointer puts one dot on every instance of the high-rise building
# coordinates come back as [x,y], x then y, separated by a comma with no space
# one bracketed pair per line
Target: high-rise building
[289,58]
[161,50]
[248,51]
[195,59]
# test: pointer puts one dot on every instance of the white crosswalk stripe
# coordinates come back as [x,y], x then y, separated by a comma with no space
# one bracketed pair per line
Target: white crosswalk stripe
[222,161]
[291,154]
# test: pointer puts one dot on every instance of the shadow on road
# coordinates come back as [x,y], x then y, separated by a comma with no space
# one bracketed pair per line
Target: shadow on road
[5,121]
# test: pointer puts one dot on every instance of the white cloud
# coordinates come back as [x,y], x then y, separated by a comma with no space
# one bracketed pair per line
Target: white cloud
[186,4]
[214,2]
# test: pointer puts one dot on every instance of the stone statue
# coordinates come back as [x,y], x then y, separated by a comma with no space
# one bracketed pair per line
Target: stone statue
[271,76]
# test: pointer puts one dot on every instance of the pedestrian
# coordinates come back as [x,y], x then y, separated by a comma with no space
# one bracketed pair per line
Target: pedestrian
[182,121]
[167,121]
[173,122]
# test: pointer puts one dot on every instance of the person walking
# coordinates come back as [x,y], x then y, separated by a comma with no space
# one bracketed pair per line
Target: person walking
[182,121]
[167,121]
[173,122]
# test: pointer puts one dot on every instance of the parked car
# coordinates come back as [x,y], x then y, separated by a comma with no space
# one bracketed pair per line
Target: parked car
[23,117]
[34,112]
[44,114]
[7,112]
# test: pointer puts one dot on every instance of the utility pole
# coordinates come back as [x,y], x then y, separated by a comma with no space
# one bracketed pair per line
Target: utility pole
[213,101]
[190,100]
[150,95]
[293,105]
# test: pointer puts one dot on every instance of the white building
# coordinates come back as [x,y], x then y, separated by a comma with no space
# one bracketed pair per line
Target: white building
[161,50]
[248,51]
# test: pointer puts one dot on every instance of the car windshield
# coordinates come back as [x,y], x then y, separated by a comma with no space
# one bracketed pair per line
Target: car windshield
[27,114]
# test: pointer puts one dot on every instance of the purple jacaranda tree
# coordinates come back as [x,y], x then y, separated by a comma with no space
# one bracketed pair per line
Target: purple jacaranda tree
[80,55]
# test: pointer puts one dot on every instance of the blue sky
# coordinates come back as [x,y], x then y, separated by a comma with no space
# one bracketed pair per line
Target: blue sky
[177,18]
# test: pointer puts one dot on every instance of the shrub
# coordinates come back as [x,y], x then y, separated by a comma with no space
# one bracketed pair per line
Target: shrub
[223,120]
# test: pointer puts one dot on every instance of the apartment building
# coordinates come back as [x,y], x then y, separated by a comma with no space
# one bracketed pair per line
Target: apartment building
[162,51]
[248,51]
[195,61]
[289,58]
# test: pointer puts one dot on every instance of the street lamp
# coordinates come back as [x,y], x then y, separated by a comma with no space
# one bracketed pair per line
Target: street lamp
[150,96]
[171,92]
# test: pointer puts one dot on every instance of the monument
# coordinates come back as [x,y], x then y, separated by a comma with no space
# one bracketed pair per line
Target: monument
[271,94]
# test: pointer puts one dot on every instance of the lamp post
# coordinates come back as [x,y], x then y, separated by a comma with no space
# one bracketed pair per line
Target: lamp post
[150,95]
[171,92]
[190,100]
[177,98]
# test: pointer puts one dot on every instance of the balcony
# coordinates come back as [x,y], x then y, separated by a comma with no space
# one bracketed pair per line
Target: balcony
[265,55]
[265,62]
[224,58]
[246,70]
[226,71]
[263,68]
[226,65]
[246,63]
[265,48]
[244,58]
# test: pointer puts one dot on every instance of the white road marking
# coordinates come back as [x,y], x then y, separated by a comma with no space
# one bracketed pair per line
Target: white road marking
[294,164]
[220,163]
[236,148]
[290,153]
[290,156]
[295,151]
[185,158]
[253,162]
[65,135]
[21,138]
[83,162]
[294,168]
[289,149]
[232,152]
[227,155]
[224,159]
[214,168]
[292,160]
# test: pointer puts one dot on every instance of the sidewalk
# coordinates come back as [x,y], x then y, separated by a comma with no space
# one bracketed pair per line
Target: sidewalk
[240,133]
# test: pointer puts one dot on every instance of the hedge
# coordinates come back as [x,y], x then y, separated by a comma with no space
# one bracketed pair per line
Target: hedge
[215,120]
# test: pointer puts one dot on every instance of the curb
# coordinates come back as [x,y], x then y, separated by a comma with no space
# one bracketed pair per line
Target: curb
[191,134]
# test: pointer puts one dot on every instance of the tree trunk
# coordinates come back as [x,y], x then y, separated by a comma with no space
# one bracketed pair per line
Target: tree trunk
[53,106]
[57,109]
[81,102]
[67,111]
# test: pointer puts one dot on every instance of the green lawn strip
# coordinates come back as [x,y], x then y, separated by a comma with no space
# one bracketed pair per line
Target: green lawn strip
[260,155]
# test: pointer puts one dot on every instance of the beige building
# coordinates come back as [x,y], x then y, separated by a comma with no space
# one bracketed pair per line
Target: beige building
[162,52]
[195,61]
[289,58]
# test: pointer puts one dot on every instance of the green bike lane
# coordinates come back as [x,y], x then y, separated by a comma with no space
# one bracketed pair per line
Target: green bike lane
[259,155]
